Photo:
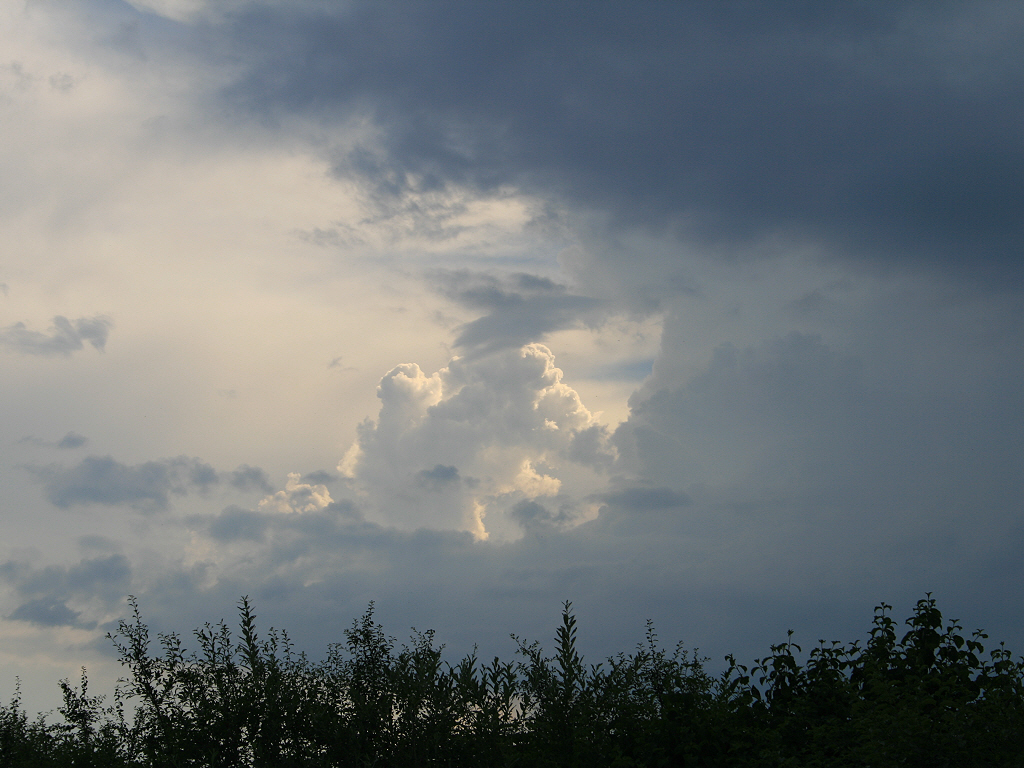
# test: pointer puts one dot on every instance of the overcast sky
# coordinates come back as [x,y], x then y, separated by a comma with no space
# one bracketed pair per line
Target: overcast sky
[708,313]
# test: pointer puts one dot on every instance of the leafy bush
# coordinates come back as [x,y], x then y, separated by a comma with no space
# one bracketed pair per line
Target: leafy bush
[930,698]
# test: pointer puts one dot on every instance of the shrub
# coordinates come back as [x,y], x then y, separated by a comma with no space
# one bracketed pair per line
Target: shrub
[930,698]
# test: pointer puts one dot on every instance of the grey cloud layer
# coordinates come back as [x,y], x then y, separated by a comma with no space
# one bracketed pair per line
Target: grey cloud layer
[880,129]
[913,462]
[706,572]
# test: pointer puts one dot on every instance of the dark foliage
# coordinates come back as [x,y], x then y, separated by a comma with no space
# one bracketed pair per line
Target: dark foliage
[931,698]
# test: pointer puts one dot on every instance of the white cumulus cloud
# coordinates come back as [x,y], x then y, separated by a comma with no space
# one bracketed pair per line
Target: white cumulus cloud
[461,447]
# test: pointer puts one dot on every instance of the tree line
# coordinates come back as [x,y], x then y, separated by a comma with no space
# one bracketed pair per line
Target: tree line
[922,695]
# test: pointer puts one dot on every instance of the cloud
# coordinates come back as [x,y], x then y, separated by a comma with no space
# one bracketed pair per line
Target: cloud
[179,10]
[643,499]
[817,206]
[102,480]
[438,477]
[287,535]
[64,337]
[882,130]
[320,477]
[70,441]
[46,592]
[148,486]
[235,523]
[297,497]
[247,478]
[46,613]
[91,542]
[899,447]
[459,448]
[724,579]
[534,517]
[521,308]
[751,410]
[630,370]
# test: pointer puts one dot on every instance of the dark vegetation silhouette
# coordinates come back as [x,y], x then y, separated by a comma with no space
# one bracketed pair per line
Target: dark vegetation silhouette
[929,698]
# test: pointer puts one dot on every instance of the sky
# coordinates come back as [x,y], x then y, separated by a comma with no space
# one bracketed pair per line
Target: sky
[705,313]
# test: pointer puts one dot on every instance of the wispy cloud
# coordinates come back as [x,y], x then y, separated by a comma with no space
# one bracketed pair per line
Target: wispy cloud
[520,308]
[46,592]
[70,441]
[63,337]
[148,486]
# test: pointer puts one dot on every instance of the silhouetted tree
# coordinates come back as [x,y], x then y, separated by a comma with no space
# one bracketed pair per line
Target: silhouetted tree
[928,698]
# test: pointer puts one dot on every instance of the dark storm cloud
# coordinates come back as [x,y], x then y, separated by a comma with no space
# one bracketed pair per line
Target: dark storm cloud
[521,308]
[791,424]
[759,407]
[879,128]
[102,480]
[64,336]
